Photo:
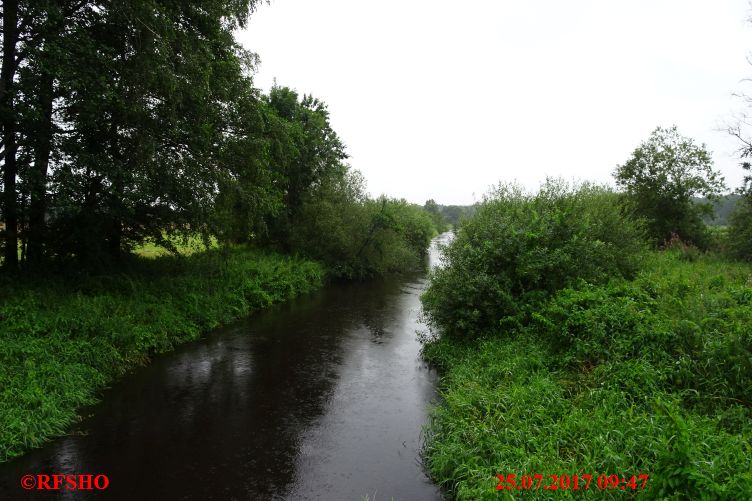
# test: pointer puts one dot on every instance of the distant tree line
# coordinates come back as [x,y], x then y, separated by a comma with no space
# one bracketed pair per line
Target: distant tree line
[127,121]
[722,209]
[446,216]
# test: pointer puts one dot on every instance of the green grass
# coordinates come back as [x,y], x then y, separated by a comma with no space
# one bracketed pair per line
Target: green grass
[651,376]
[185,247]
[63,339]
[149,249]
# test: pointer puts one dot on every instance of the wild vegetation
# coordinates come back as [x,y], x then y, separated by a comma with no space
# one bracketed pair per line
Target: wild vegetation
[518,249]
[135,122]
[569,345]
[579,330]
[133,129]
[357,237]
[65,337]
[645,376]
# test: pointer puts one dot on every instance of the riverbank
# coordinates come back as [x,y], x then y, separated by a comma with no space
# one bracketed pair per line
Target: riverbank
[646,376]
[62,340]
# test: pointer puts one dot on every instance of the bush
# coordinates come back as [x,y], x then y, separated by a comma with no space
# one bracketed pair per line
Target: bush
[518,249]
[740,231]
[685,250]
[357,237]
[691,321]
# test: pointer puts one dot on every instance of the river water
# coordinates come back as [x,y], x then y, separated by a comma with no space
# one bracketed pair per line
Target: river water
[323,397]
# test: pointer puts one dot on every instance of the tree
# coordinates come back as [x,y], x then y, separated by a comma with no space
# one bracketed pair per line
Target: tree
[662,176]
[434,210]
[740,222]
[120,121]
[10,41]
[311,152]
[127,121]
[151,114]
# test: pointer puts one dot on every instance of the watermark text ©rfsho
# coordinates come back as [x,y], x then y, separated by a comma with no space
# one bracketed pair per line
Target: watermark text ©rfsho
[58,482]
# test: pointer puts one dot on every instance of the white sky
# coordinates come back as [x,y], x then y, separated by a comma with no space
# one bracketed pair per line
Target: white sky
[439,99]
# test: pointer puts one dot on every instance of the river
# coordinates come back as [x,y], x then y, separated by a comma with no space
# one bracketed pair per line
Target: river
[323,397]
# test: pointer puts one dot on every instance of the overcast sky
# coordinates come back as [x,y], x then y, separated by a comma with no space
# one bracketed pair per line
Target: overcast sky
[439,99]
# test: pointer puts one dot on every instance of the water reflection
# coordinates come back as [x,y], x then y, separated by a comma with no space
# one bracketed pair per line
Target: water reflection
[321,398]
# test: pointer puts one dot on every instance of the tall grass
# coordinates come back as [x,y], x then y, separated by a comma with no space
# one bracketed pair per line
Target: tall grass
[63,339]
[646,376]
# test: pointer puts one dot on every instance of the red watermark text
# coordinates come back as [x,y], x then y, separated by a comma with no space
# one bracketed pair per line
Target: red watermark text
[67,482]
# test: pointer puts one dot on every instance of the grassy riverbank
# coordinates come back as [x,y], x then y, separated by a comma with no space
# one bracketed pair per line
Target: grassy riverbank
[64,339]
[645,376]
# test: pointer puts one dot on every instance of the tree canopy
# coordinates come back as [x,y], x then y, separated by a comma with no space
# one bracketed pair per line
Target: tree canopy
[128,121]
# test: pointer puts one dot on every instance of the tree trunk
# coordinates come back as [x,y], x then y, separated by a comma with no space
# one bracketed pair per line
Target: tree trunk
[115,240]
[8,121]
[38,178]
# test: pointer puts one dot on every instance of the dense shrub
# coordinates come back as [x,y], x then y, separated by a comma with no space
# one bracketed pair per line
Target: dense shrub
[519,248]
[358,237]
[695,331]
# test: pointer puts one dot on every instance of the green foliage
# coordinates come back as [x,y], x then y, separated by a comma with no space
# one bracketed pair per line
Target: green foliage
[251,179]
[456,214]
[62,340]
[646,376]
[182,246]
[356,237]
[158,133]
[690,322]
[138,124]
[134,127]
[740,228]
[740,231]
[662,176]
[146,94]
[439,220]
[518,249]
[313,156]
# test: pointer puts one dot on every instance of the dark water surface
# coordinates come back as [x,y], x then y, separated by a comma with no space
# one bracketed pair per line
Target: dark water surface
[320,398]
